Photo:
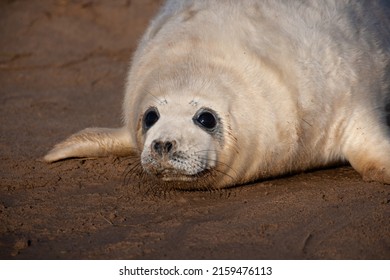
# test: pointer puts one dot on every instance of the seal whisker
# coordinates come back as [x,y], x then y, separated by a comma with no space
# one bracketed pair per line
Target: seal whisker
[200,158]
[159,101]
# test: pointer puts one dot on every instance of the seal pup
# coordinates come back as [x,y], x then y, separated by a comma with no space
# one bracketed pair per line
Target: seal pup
[223,93]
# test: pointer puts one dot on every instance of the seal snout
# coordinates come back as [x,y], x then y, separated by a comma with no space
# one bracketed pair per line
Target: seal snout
[163,148]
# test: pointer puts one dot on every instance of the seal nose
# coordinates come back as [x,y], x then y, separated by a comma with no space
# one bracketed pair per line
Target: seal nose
[163,147]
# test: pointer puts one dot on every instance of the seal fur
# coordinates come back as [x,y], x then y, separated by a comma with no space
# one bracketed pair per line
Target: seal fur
[223,93]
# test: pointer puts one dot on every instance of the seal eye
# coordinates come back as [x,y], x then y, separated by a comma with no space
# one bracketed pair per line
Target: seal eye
[150,118]
[207,120]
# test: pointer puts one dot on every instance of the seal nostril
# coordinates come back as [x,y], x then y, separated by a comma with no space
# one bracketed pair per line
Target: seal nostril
[168,146]
[157,147]
[161,148]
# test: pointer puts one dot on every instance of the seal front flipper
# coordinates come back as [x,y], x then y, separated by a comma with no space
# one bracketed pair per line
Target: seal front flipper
[93,142]
[369,150]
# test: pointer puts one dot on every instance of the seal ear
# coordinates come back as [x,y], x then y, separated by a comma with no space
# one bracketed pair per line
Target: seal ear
[93,142]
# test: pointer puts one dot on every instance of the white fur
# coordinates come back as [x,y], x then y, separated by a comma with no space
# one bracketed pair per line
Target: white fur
[297,85]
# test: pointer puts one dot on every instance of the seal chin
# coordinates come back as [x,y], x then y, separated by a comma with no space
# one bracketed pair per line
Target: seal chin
[172,175]
[176,178]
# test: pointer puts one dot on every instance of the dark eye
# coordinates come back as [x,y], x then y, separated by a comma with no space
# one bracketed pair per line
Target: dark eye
[150,118]
[207,120]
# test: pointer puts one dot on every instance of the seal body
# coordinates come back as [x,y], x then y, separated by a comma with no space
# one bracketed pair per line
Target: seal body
[222,93]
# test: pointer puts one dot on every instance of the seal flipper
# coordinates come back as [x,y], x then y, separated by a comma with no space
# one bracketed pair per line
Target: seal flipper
[368,149]
[93,142]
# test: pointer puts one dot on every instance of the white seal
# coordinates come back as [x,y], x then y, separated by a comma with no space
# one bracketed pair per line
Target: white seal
[223,93]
